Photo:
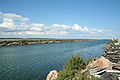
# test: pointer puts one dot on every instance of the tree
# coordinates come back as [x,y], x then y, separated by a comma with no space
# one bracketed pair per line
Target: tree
[72,70]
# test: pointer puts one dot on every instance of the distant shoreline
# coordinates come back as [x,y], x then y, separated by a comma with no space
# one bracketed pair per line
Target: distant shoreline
[30,41]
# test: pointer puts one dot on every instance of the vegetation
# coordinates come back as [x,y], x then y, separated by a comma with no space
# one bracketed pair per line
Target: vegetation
[73,70]
[75,63]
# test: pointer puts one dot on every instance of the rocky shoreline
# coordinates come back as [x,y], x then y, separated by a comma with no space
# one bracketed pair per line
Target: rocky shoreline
[112,52]
[107,67]
[30,42]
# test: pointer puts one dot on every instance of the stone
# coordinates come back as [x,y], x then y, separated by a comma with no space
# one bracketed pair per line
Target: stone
[101,63]
[116,67]
[52,75]
[109,76]
[96,71]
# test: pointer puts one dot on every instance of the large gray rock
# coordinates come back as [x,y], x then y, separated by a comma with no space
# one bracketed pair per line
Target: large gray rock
[108,76]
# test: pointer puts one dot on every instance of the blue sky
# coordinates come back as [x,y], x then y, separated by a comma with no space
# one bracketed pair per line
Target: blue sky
[60,18]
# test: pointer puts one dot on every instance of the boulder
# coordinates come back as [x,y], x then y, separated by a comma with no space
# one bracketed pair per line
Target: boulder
[52,75]
[101,63]
[109,76]
[116,67]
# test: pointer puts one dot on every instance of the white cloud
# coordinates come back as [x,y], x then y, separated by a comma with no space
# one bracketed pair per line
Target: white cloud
[52,32]
[23,32]
[36,33]
[61,26]
[16,24]
[88,30]
[8,23]
[79,28]
[12,16]
[9,20]
[36,27]
[21,27]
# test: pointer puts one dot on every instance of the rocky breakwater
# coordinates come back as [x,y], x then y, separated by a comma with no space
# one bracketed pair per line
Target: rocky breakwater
[107,67]
[112,51]
[30,42]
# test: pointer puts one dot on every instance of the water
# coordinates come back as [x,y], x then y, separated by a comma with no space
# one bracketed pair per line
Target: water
[33,62]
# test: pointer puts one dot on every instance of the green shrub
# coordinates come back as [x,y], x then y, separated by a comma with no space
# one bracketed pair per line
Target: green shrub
[67,74]
[74,63]
[72,70]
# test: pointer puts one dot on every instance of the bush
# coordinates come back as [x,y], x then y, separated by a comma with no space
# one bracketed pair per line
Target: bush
[72,70]
[67,74]
[74,63]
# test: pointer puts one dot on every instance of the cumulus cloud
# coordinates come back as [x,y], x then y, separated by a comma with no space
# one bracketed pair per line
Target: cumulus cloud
[79,28]
[12,16]
[88,30]
[15,24]
[57,32]
[61,26]
[8,23]
[36,33]
[8,20]
[35,27]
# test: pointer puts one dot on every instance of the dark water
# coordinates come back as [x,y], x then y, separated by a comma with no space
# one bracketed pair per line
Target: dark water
[33,62]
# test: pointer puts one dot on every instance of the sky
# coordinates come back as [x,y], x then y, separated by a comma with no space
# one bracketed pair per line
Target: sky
[81,19]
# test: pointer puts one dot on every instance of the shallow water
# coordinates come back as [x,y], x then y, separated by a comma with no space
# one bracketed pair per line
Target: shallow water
[33,62]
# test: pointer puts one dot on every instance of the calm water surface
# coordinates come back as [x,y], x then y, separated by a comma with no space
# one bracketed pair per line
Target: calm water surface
[33,62]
